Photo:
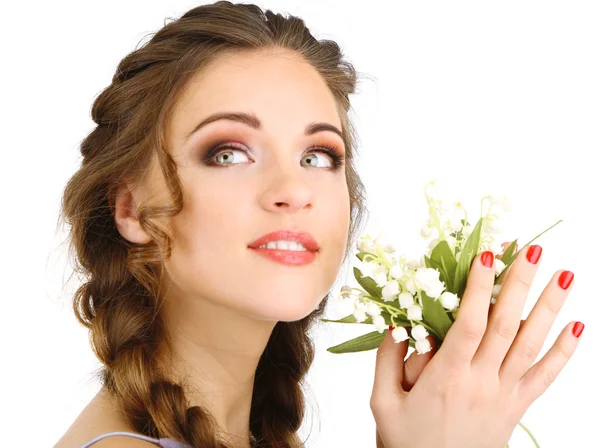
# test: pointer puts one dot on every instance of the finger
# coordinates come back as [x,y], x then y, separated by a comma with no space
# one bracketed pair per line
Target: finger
[498,285]
[504,320]
[530,339]
[415,364]
[543,373]
[389,372]
[463,338]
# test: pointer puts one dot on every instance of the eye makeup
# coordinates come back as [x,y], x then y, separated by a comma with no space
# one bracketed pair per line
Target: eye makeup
[337,157]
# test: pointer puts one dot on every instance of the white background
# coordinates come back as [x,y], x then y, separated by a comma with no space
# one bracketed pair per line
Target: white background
[495,97]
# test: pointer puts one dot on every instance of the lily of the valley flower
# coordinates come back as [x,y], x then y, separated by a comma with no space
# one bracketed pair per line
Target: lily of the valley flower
[399,334]
[390,291]
[406,299]
[498,266]
[449,300]
[414,312]
[428,280]
[379,323]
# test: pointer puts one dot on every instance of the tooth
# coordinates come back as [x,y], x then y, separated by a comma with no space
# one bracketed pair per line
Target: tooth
[271,245]
[282,245]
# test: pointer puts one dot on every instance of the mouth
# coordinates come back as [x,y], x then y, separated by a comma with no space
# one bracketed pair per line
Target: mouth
[286,240]
[287,247]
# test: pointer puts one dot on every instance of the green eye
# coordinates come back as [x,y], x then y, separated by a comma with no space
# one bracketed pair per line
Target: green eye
[314,161]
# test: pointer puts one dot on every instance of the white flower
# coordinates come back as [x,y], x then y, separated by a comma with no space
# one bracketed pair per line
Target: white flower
[414,312]
[495,247]
[373,309]
[424,276]
[496,291]
[396,271]
[406,299]
[379,323]
[498,266]
[449,300]
[360,315]
[390,291]
[389,249]
[345,292]
[426,232]
[454,223]
[380,278]
[367,268]
[427,279]
[422,346]
[399,334]
[419,332]
[434,242]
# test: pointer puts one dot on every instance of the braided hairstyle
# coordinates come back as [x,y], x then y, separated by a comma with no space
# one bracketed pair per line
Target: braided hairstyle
[120,300]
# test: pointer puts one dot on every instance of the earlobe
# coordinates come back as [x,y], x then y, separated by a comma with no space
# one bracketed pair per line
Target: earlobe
[126,218]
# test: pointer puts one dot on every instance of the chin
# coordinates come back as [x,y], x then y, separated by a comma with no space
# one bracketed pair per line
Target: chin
[289,310]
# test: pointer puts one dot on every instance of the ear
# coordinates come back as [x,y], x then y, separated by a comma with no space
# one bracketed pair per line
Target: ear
[126,217]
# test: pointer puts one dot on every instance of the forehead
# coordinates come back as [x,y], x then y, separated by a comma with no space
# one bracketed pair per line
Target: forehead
[280,88]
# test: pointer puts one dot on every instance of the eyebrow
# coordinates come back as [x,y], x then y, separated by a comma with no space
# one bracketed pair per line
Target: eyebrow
[253,121]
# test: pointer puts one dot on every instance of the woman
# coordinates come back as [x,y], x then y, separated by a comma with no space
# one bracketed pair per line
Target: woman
[215,204]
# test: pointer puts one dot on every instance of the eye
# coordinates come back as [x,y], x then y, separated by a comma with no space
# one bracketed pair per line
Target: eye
[313,160]
[228,157]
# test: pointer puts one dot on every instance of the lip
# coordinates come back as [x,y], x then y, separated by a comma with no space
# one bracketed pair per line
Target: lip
[306,239]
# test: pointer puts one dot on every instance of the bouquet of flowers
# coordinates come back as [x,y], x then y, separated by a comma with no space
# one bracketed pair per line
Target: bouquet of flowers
[418,298]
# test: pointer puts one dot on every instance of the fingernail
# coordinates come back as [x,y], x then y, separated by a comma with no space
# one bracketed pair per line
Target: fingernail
[565,279]
[487,258]
[390,328]
[534,253]
[578,329]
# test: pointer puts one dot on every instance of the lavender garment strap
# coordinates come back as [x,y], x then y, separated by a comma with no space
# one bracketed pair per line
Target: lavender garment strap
[164,443]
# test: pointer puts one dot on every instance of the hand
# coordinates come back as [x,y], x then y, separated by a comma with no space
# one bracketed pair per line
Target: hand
[414,365]
[476,388]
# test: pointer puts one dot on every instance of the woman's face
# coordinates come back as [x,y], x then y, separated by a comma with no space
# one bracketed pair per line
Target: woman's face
[268,175]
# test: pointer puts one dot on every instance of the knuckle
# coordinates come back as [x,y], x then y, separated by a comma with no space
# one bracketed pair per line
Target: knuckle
[548,377]
[472,332]
[506,329]
[521,280]
[553,306]
[529,351]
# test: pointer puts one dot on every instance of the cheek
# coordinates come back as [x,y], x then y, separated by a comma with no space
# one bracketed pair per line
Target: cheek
[208,234]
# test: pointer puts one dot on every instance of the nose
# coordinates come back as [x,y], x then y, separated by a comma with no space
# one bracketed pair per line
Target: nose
[287,191]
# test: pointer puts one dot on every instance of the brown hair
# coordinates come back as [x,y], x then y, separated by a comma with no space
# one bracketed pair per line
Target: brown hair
[120,300]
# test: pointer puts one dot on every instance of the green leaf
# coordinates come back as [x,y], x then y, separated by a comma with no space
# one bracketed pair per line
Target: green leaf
[514,257]
[361,255]
[436,316]
[506,256]
[349,320]
[446,263]
[367,283]
[362,343]
[469,252]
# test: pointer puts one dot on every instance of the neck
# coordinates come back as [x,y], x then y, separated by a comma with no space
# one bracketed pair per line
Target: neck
[215,351]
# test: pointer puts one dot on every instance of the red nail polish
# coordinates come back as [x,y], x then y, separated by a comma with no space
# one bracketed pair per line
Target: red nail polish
[578,329]
[565,279]
[534,253]
[487,258]
[390,328]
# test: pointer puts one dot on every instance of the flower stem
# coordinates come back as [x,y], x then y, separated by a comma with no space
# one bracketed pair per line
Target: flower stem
[530,434]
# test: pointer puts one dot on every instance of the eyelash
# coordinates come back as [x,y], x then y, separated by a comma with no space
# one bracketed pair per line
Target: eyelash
[337,158]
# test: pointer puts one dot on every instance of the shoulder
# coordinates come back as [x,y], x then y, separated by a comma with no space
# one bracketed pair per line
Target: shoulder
[100,416]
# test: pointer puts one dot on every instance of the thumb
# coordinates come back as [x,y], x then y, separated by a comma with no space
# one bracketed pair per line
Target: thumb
[389,369]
